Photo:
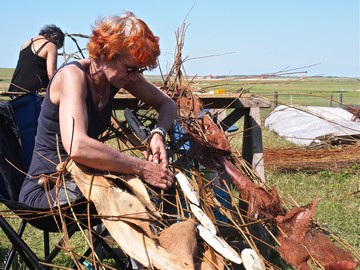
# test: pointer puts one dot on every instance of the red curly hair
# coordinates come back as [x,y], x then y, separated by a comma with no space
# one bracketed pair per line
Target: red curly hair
[115,36]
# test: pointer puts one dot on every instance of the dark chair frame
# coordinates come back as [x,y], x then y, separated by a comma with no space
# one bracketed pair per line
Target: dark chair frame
[11,166]
[29,257]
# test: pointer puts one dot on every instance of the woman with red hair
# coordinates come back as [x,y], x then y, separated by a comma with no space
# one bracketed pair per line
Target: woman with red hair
[77,109]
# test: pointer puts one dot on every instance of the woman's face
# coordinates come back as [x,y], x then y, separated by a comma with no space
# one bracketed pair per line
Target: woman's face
[122,70]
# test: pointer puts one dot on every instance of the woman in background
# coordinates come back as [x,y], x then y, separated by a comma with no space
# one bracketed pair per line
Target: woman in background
[37,61]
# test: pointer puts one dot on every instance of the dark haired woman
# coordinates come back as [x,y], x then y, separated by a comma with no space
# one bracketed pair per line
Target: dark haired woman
[37,61]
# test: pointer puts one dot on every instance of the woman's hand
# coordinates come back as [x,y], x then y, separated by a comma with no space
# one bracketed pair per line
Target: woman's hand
[157,153]
[157,175]
[156,172]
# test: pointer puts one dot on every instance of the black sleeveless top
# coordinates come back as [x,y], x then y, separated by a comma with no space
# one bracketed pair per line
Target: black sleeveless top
[30,74]
[48,140]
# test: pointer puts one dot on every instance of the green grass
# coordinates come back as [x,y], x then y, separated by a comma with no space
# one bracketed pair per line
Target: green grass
[6,74]
[5,78]
[307,92]
[338,209]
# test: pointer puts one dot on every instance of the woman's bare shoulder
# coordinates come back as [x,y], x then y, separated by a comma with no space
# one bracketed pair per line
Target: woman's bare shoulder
[70,72]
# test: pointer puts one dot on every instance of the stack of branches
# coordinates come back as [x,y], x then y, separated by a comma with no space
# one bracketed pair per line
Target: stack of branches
[290,232]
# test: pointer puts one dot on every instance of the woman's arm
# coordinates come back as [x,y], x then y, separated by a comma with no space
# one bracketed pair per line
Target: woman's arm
[71,89]
[166,107]
[51,59]
[153,96]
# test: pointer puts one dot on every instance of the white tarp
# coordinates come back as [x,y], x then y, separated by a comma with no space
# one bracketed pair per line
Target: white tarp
[302,125]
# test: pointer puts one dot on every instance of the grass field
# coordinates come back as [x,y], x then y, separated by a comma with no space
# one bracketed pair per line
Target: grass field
[307,91]
[5,78]
[338,211]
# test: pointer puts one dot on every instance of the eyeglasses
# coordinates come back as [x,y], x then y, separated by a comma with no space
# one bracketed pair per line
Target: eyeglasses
[131,70]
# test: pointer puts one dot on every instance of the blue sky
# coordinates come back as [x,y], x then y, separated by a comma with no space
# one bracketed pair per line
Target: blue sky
[246,37]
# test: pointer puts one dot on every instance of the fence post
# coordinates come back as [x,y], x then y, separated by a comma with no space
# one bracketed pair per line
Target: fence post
[340,99]
[331,100]
[276,99]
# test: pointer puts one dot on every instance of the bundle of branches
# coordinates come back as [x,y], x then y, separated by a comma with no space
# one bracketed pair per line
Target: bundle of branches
[294,235]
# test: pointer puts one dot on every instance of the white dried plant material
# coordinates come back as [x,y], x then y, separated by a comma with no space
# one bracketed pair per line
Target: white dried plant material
[219,245]
[187,188]
[203,218]
[251,260]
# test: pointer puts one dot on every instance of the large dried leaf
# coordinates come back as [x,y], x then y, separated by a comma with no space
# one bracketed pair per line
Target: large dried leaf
[126,219]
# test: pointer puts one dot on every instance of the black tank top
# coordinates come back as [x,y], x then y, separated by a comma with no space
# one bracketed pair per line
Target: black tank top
[48,140]
[30,74]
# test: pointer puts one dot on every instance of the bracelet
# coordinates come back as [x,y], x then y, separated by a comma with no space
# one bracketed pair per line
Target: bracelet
[160,131]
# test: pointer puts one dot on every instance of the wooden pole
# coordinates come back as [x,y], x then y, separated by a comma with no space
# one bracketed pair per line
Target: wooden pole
[340,99]
[331,100]
[276,99]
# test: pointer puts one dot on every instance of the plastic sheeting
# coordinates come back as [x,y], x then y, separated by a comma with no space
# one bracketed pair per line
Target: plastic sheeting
[307,125]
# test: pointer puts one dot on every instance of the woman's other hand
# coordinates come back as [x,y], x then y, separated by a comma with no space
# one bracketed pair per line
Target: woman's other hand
[158,175]
[157,153]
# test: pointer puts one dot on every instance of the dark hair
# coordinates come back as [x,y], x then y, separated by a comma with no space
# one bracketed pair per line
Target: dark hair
[54,34]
